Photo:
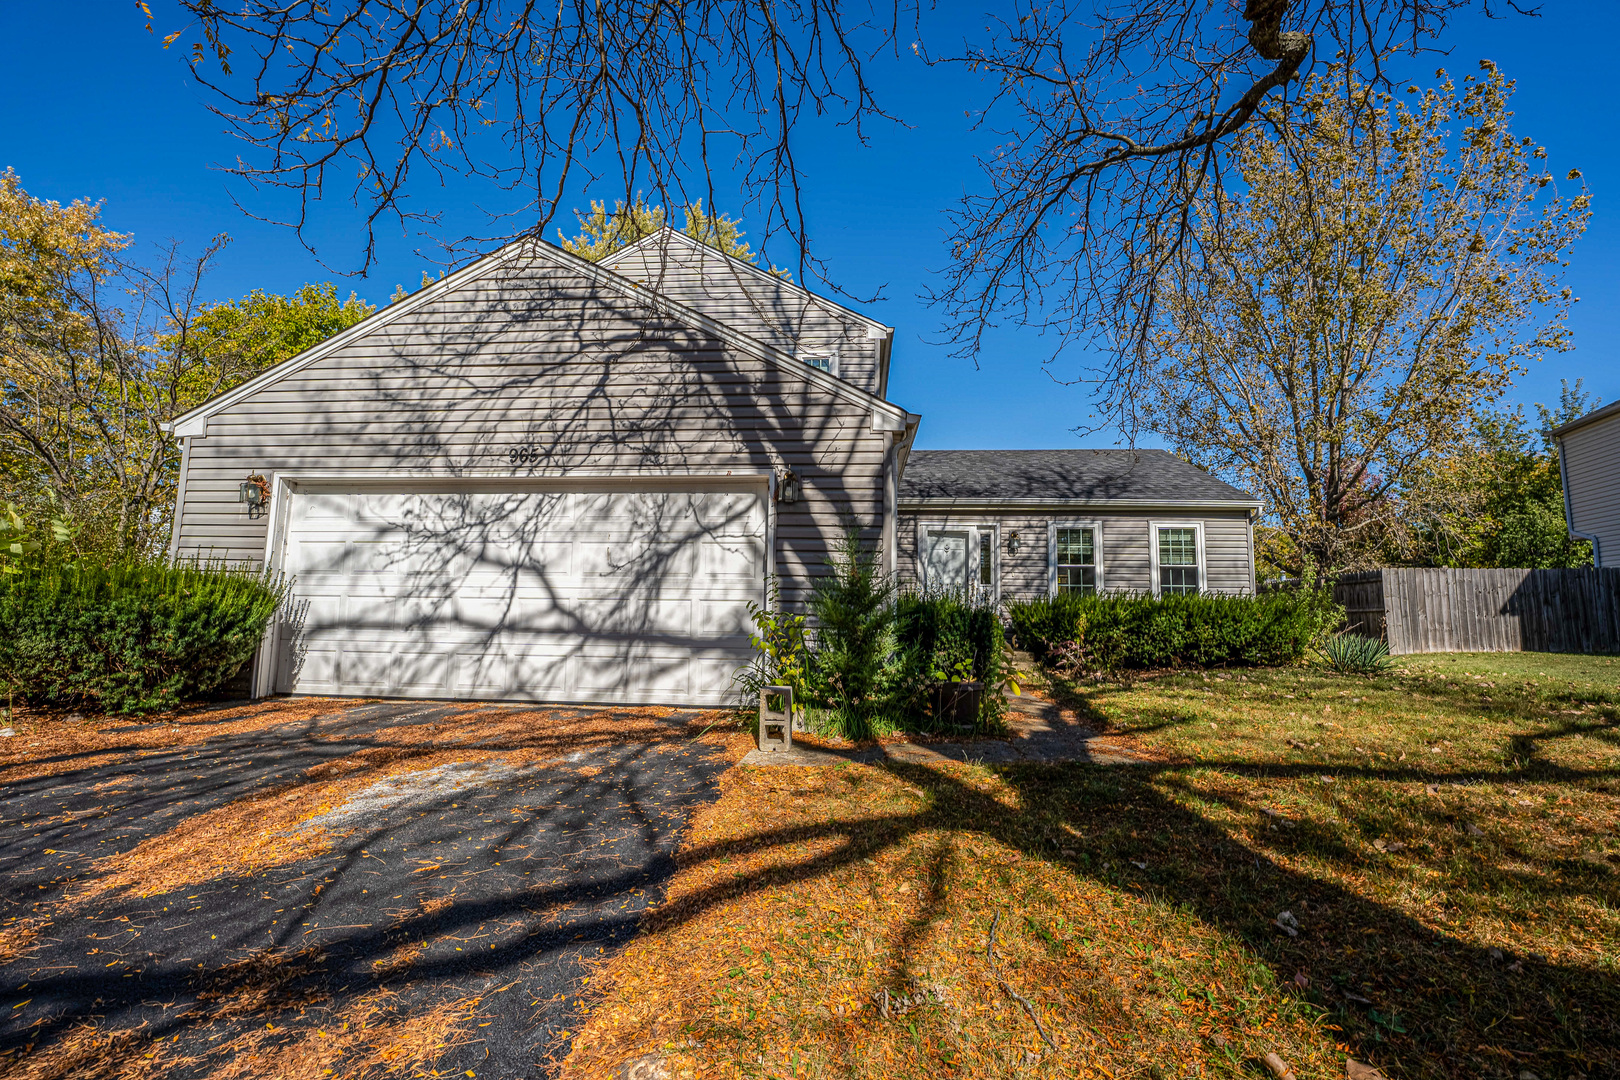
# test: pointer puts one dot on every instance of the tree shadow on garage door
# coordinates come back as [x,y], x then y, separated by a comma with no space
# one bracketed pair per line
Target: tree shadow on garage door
[448,924]
[491,397]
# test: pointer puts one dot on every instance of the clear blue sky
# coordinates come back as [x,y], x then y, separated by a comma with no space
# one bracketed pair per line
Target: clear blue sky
[93,107]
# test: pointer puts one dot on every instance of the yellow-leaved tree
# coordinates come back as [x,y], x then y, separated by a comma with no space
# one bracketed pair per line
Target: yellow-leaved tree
[1383,270]
[97,352]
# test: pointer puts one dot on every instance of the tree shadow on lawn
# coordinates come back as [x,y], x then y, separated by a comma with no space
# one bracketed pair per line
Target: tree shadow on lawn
[1422,1002]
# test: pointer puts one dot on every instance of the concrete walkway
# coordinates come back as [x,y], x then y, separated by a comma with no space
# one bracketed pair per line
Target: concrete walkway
[1039,731]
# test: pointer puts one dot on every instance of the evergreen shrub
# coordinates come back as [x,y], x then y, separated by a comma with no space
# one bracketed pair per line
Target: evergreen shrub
[1135,630]
[946,638]
[129,637]
[852,612]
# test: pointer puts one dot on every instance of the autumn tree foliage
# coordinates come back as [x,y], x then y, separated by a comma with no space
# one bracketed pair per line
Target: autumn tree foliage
[602,232]
[1386,267]
[98,351]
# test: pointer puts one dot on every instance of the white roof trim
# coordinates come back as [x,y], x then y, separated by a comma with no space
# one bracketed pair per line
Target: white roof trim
[195,422]
[871,323]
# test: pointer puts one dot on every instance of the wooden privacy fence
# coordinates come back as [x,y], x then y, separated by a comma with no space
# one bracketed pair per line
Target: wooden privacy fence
[1419,611]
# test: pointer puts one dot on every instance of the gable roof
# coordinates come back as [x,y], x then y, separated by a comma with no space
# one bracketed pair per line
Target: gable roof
[1031,477]
[195,421]
[665,234]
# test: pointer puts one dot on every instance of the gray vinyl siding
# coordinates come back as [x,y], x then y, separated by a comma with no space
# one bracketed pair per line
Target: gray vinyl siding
[772,311]
[1592,479]
[539,354]
[1126,555]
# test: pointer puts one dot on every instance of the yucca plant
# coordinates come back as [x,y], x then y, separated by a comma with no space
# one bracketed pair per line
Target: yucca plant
[1355,654]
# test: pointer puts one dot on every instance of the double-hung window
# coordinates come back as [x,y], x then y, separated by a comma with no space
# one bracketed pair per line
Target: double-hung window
[1076,559]
[1178,559]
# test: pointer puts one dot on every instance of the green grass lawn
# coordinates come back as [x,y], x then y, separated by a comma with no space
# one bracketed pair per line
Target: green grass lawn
[1451,831]
[1443,839]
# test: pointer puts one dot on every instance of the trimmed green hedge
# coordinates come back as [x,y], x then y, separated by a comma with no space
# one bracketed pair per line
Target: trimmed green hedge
[131,637]
[940,638]
[1134,630]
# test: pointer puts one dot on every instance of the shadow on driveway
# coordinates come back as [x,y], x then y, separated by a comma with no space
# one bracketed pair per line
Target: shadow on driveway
[449,924]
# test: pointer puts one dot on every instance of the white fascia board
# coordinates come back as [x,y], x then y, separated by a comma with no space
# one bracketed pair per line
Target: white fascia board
[195,422]
[874,328]
[991,505]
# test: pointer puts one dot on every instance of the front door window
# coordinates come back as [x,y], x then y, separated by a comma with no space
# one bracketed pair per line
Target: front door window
[960,561]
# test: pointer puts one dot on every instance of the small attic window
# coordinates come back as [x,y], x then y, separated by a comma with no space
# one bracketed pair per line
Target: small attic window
[821,359]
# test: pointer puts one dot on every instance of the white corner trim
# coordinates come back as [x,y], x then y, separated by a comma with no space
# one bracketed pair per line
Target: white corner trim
[195,422]
[1153,551]
[1096,527]
[1569,509]
[179,500]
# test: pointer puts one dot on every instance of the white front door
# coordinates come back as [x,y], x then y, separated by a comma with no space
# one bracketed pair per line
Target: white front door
[585,596]
[947,563]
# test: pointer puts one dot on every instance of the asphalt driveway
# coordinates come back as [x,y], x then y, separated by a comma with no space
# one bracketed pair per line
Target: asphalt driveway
[350,889]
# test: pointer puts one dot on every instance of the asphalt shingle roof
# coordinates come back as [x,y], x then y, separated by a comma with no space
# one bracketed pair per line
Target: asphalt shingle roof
[1081,475]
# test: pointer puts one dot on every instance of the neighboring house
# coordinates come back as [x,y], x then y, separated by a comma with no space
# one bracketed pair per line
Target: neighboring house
[543,478]
[1022,524]
[1589,461]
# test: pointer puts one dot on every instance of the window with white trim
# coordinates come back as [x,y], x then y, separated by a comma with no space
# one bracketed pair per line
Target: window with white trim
[1179,569]
[820,359]
[1076,559]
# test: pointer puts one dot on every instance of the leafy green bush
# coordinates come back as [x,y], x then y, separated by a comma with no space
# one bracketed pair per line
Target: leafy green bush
[1354,654]
[1133,630]
[941,638]
[781,655]
[853,614]
[129,637]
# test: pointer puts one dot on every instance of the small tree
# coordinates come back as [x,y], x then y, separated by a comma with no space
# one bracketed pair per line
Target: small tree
[853,614]
[1379,277]
[1495,498]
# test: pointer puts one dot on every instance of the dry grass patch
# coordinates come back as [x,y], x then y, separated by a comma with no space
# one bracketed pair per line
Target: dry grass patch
[1443,839]
[838,922]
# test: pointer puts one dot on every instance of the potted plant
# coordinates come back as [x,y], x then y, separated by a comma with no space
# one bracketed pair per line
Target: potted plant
[955,697]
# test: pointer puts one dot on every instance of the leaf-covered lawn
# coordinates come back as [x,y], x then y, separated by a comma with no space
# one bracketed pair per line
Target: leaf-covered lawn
[1443,840]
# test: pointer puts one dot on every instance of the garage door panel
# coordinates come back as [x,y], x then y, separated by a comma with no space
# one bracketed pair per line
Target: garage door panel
[593,596]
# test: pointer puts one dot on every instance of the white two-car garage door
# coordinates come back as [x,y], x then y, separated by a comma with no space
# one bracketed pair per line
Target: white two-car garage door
[585,596]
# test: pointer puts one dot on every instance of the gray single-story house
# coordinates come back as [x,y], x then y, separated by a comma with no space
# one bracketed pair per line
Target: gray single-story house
[1589,463]
[1022,524]
[549,479]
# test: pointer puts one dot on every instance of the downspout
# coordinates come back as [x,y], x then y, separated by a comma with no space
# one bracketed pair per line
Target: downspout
[1254,573]
[1569,510]
[894,467]
[891,502]
[179,498]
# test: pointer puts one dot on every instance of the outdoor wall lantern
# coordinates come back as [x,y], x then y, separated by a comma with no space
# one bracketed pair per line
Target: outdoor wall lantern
[787,487]
[1012,544]
[255,491]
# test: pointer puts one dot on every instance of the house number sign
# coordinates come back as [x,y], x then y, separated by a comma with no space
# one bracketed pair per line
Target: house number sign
[524,454]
